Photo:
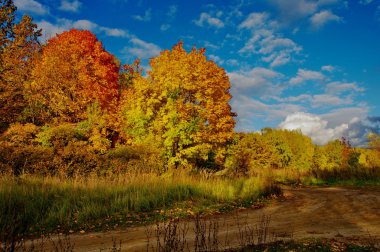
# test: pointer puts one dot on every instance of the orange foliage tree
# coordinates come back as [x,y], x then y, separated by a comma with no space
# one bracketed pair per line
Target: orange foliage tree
[74,72]
[19,47]
[182,105]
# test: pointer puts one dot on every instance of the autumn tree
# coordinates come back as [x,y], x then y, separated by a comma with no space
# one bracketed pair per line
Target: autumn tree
[250,154]
[19,48]
[374,141]
[74,71]
[182,105]
[283,152]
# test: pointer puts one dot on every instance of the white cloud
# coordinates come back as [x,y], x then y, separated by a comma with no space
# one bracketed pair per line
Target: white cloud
[328,68]
[31,6]
[323,17]
[339,116]
[49,30]
[85,25]
[293,10]
[353,127]
[338,87]
[206,18]
[304,75]
[255,20]
[313,126]
[115,32]
[142,49]
[328,100]
[209,45]
[70,6]
[365,2]
[165,27]
[232,62]
[172,12]
[216,59]
[299,98]
[146,17]
[274,48]
[258,78]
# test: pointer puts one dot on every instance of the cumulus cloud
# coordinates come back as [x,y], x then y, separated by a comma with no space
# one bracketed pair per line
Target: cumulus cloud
[31,6]
[146,17]
[321,130]
[207,19]
[304,75]
[252,112]
[70,6]
[323,17]
[314,127]
[142,49]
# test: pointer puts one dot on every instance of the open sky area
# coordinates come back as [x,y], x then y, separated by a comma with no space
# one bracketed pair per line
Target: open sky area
[308,64]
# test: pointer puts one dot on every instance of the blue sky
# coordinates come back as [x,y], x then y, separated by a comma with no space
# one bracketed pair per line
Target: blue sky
[308,64]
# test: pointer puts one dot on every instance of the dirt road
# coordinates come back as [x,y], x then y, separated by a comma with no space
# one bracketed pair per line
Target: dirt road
[303,212]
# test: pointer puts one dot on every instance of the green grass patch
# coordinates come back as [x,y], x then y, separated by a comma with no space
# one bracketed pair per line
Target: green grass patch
[35,205]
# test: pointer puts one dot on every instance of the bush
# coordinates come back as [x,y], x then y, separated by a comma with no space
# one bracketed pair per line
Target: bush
[21,134]
[17,160]
[136,159]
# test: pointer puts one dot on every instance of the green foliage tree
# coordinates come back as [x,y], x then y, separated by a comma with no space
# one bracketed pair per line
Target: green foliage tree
[250,154]
[283,152]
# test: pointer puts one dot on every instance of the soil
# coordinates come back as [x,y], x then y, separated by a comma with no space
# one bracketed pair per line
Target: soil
[351,214]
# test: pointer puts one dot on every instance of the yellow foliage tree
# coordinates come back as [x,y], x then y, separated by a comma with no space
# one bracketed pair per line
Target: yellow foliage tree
[182,105]
[19,47]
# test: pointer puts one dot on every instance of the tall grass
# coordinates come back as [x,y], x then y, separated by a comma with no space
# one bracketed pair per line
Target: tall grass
[33,204]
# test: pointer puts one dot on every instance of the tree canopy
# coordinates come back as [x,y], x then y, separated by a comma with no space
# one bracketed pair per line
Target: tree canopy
[74,71]
[182,104]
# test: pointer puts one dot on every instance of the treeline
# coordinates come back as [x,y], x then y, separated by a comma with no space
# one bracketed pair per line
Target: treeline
[68,108]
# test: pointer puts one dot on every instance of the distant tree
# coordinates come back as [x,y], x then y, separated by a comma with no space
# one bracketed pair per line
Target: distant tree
[374,141]
[74,71]
[302,149]
[250,154]
[334,154]
[182,105]
[283,152]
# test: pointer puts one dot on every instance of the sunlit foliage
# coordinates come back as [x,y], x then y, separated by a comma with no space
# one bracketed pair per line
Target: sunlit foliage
[19,47]
[74,72]
[182,105]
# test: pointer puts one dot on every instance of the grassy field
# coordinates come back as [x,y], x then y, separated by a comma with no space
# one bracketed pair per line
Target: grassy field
[33,205]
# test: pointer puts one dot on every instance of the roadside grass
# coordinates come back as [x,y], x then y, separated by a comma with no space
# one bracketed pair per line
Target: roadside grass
[332,177]
[33,205]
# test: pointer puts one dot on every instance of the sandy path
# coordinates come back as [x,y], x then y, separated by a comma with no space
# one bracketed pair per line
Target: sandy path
[303,212]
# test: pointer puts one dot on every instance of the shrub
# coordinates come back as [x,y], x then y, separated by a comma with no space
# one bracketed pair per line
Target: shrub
[21,134]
